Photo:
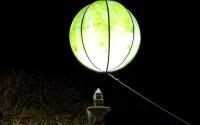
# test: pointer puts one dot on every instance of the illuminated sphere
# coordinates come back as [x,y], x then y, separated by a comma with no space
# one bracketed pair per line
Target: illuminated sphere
[105,36]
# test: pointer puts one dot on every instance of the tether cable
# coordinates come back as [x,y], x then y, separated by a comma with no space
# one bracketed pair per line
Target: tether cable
[148,100]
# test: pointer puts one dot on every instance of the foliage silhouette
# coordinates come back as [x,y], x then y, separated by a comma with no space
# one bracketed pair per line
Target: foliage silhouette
[28,98]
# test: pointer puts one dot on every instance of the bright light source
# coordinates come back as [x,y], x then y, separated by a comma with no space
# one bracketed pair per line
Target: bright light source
[105,36]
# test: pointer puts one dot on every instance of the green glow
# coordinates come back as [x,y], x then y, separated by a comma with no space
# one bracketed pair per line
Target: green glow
[95,36]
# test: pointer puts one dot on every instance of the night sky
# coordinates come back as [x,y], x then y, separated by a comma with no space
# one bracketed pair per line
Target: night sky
[35,37]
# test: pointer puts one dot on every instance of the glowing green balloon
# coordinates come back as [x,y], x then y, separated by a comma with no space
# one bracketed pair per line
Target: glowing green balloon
[105,36]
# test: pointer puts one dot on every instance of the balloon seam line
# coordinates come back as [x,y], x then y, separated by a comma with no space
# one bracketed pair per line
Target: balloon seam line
[83,40]
[131,43]
[108,36]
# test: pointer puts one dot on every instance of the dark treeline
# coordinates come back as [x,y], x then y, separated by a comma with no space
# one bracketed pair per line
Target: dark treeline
[33,98]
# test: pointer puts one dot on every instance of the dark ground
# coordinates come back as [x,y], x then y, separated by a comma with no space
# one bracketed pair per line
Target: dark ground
[35,38]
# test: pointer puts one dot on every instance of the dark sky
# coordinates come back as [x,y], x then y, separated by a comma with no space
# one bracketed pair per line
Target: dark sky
[35,36]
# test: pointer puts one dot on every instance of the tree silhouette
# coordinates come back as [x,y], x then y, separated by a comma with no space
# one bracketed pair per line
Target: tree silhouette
[34,99]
